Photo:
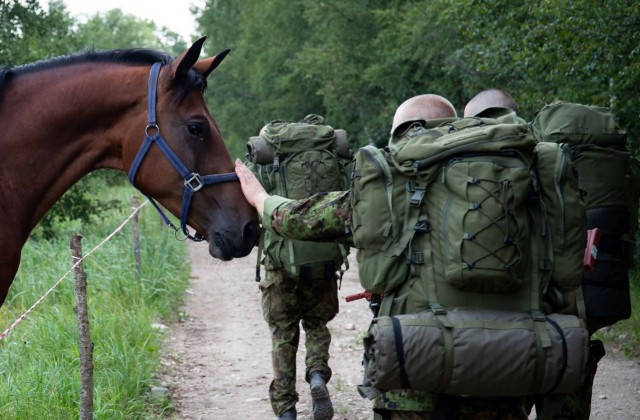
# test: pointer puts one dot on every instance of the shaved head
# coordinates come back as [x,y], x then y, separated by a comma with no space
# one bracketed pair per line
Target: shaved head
[422,108]
[487,99]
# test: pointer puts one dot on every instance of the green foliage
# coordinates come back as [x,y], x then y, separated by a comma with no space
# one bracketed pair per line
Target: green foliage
[355,62]
[80,204]
[39,372]
[577,51]
[28,33]
[115,29]
[258,83]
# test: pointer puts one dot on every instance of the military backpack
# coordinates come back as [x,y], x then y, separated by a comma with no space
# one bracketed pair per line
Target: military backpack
[296,160]
[610,179]
[465,226]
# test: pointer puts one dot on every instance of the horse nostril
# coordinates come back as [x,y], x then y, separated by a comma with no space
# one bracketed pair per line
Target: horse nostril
[219,241]
[251,234]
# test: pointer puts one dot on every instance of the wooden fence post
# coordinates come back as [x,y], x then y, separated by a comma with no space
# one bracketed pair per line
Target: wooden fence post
[84,337]
[136,237]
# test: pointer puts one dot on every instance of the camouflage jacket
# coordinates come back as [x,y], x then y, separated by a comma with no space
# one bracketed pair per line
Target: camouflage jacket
[321,217]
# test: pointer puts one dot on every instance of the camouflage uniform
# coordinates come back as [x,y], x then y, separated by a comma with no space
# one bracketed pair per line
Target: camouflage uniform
[400,405]
[287,302]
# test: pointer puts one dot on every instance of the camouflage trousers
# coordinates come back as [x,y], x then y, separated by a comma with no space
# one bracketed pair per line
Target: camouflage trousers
[399,405]
[288,302]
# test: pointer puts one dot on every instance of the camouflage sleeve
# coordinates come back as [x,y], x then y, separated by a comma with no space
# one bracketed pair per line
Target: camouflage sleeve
[321,217]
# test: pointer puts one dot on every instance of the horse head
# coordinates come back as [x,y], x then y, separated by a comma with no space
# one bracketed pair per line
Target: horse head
[183,161]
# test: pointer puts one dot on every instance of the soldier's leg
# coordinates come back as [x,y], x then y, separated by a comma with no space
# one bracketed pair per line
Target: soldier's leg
[576,406]
[282,391]
[320,302]
[280,310]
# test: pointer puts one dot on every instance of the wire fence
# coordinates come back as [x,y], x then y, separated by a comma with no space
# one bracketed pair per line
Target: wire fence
[79,261]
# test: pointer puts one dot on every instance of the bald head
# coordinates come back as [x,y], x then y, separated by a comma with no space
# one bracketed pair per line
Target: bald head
[422,108]
[487,99]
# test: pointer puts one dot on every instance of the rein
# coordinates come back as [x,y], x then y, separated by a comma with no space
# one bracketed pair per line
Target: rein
[193,181]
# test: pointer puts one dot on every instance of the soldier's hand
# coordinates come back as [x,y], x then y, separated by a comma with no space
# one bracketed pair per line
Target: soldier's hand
[251,187]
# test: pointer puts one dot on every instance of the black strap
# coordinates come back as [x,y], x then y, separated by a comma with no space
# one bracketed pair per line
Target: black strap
[397,334]
[565,354]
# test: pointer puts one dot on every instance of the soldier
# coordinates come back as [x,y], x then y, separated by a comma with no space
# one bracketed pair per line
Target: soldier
[493,103]
[300,282]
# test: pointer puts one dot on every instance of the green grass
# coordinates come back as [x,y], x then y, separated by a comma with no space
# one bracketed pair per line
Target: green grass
[39,369]
[625,335]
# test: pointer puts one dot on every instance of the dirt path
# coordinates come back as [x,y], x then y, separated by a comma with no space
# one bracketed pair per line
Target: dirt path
[218,362]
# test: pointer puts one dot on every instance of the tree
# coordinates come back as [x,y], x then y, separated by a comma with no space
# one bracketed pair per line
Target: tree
[114,29]
[28,33]
[577,51]
[355,62]
[259,81]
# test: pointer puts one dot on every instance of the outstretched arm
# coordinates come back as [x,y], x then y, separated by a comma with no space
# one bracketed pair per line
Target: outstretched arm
[320,217]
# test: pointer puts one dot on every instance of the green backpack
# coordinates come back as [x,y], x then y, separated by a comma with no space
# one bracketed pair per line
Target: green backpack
[297,160]
[610,178]
[455,226]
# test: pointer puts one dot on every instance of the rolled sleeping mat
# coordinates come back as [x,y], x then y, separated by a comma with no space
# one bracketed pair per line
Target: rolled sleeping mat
[342,144]
[259,151]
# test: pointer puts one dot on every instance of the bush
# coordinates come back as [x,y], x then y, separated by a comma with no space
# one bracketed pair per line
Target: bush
[83,204]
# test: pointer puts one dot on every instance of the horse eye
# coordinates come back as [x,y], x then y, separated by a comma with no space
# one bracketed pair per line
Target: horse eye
[195,129]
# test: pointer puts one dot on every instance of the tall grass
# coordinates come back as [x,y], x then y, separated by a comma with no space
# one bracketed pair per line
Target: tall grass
[39,373]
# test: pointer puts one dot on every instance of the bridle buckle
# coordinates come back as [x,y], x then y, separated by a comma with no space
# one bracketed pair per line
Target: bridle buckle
[194,182]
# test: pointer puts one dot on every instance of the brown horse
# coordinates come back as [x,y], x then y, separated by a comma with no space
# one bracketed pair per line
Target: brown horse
[139,111]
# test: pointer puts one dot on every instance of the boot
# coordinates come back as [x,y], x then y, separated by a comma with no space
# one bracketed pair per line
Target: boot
[290,414]
[322,408]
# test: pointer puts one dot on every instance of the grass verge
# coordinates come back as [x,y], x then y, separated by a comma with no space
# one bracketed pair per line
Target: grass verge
[39,373]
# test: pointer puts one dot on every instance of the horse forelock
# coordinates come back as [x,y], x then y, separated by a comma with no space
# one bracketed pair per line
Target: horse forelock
[182,86]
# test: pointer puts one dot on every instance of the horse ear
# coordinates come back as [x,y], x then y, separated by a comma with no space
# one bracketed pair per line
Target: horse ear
[183,63]
[206,66]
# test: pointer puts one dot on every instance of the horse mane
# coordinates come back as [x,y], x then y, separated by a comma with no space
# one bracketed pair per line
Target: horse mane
[133,56]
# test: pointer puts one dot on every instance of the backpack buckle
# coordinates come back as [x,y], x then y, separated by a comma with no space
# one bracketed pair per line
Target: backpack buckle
[538,316]
[438,309]
[417,197]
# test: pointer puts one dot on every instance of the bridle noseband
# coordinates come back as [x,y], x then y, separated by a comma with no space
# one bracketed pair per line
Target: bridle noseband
[193,181]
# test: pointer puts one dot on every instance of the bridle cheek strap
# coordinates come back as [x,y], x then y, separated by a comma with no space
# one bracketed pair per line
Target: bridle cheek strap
[193,182]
